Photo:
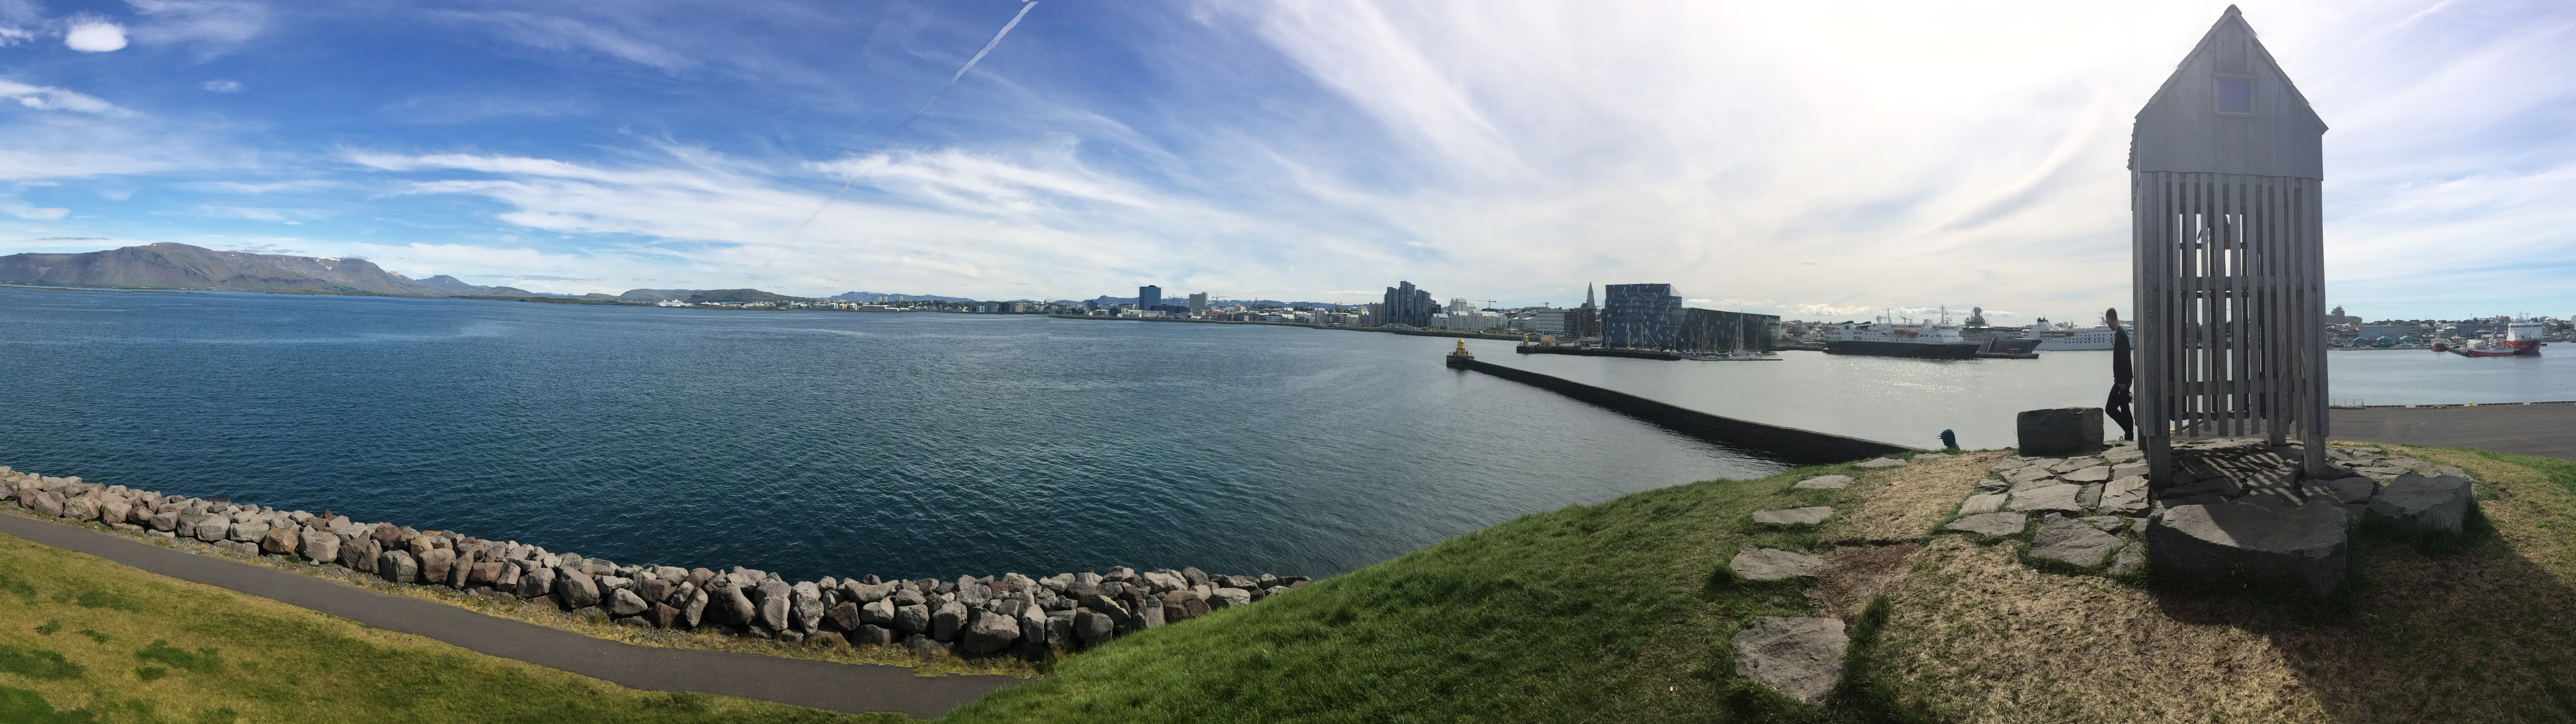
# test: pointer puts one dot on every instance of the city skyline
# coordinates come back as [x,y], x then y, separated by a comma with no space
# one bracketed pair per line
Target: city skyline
[1813,162]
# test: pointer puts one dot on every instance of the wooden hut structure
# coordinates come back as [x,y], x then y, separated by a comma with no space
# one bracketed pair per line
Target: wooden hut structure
[2229,257]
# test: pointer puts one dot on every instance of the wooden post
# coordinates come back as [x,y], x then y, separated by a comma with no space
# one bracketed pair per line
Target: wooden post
[2228,255]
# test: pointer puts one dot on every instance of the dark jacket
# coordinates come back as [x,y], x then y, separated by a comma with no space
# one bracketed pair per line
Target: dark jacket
[2121,373]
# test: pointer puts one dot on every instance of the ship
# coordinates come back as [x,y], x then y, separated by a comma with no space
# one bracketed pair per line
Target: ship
[1887,337]
[2519,338]
[2048,339]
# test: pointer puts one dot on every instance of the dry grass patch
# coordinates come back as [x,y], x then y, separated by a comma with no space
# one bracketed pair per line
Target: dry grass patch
[1853,575]
[1904,503]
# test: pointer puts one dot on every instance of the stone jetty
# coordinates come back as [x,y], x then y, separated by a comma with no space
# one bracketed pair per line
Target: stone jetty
[970,616]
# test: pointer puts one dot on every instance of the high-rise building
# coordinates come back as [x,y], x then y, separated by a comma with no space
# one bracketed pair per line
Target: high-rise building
[1198,303]
[1408,306]
[1640,315]
[1149,297]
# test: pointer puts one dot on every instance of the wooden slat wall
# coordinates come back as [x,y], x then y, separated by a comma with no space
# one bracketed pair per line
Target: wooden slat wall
[2228,276]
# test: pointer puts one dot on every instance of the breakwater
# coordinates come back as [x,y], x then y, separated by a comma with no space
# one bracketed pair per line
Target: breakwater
[1306,325]
[1785,443]
[1008,615]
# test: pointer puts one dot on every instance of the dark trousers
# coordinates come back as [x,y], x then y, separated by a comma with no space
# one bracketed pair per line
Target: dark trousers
[2117,408]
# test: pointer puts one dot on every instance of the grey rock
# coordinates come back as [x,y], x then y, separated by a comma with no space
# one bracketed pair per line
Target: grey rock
[1799,657]
[2072,541]
[534,584]
[624,602]
[989,633]
[165,521]
[2074,464]
[2106,523]
[2124,495]
[576,589]
[1092,628]
[280,540]
[873,635]
[1984,503]
[2213,540]
[360,554]
[805,607]
[2059,431]
[773,601]
[2090,496]
[879,612]
[2124,454]
[1768,564]
[1825,482]
[2027,475]
[1230,598]
[2057,497]
[695,611]
[2131,558]
[2346,490]
[912,619]
[324,547]
[211,528]
[2417,503]
[866,592]
[2095,474]
[80,509]
[1881,464]
[398,567]
[1034,627]
[1793,516]
[436,564]
[2127,469]
[1992,524]
[843,616]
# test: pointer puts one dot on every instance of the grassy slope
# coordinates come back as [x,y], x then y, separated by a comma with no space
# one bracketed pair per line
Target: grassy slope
[106,642]
[1607,612]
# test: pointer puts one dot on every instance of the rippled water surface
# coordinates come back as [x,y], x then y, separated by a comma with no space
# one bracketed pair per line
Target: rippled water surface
[812,443]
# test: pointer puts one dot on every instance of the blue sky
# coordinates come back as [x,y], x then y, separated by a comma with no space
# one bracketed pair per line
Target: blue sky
[1813,159]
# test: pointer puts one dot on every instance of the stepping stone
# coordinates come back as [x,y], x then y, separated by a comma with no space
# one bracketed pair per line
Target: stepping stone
[2418,503]
[1825,482]
[1810,515]
[1881,463]
[2132,556]
[2090,496]
[1771,564]
[1992,524]
[2073,465]
[2059,497]
[2124,496]
[2026,475]
[2125,453]
[2095,474]
[1984,503]
[1798,657]
[2072,541]
[2045,463]
[2217,539]
[2106,523]
[2127,469]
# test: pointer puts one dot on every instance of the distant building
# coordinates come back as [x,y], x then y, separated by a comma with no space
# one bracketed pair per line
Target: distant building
[1545,321]
[1709,330]
[1199,303]
[1407,306]
[1149,296]
[2338,317]
[1586,320]
[1640,315]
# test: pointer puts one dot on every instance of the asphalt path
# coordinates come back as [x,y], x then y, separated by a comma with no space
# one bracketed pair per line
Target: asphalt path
[2546,430]
[853,688]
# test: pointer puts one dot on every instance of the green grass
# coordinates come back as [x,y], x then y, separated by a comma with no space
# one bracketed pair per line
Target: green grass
[83,639]
[1617,612]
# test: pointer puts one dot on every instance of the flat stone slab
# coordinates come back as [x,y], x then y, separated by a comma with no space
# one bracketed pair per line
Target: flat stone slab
[2009,464]
[2107,523]
[1879,463]
[1810,515]
[1825,482]
[2131,558]
[2212,540]
[2348,490]
[2072,541]
[2095,474]
[1772,564]
[1798,657]
[2030,474]
[2124,453]
[1994,524]
[2074,464]
[2418,503]
[1984,503]
[2124,496]
[2058,497]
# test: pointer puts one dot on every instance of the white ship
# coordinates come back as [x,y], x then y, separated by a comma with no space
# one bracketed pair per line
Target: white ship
[2054,340]
[1887,337]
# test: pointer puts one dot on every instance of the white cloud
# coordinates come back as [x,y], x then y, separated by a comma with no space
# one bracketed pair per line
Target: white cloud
[223,86]
[20,209]
[92,35]
[558,33]
[57,99]
[14,35]
[214,25]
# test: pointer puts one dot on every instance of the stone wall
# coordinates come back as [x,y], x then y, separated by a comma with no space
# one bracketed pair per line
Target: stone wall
[1009,615]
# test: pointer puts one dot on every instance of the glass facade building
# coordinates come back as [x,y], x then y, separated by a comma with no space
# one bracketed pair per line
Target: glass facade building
[1408,306]
[1645,316]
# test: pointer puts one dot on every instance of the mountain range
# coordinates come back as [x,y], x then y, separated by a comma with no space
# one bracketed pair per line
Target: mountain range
[168,265]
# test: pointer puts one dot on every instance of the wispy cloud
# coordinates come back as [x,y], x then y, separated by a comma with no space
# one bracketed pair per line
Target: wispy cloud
[558,33]
[56,99]
[214,26]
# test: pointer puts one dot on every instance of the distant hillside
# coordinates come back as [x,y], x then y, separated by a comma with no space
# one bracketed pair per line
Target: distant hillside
[741,296]
[167,265]
[872,296]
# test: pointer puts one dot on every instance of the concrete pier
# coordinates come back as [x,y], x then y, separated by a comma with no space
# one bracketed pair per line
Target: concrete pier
[1805,447]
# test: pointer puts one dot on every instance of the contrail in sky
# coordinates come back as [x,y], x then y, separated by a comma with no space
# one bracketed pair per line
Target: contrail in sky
[1025,7]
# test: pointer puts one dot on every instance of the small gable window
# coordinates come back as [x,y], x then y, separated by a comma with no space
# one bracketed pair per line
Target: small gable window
[2235,95]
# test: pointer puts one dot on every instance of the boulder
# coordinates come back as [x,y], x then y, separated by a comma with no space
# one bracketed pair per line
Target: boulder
[805,606]
[695,609]
[730,606]
[386,535]
[1825,482]
[1991,524]
[2131,558]
[1092,628]
[165,521]
[398,567]
[624,602]
[80,509]
[1798,657]
[2213,540]
[1793,516]
[2072,541]
[989,634]
[1880,464]
[435,564]
[535,583]
[484,574]
[321,547]
[1229,598]
[1194,577]
[843,617]
[947,621]
[879,612]
[866,592]
[2124,495]
[775,595]
[576,589]
[1984,503]
[662,615]
[359,554]
[2419,504]
[912,619]
[114,510]
[1767,564]
[211,528]
[280,541]
[1183,605]
[2048,497]
[2059,431]
[656,589]
[2354,489]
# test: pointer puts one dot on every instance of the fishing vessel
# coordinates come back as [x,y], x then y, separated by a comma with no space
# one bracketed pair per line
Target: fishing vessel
[1885,336]
[2518,338]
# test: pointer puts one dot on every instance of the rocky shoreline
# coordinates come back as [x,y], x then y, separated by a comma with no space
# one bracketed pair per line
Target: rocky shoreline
[972,617]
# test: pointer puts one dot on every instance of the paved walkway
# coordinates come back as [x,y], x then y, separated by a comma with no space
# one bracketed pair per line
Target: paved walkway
[854,688]
[2546,430]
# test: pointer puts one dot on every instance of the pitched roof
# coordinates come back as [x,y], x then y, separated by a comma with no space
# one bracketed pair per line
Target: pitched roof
[2266,127]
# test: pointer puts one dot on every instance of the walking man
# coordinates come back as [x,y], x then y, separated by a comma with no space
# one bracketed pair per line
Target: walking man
[2117,407]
